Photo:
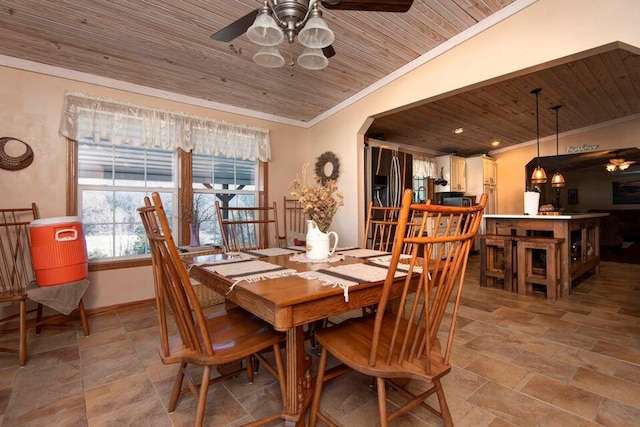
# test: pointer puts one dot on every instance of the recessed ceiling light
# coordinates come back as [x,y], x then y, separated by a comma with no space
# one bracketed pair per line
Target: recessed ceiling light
[458,130]
[495,143]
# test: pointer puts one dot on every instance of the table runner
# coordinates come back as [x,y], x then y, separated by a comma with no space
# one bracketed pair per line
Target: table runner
[349,275]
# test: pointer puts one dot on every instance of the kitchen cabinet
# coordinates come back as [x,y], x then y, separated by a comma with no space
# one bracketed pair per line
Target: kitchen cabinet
[453,170]
[435,228]
[482,177]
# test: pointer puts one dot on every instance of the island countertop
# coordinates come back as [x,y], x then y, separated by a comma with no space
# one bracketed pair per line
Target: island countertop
[565,216]
[572,228]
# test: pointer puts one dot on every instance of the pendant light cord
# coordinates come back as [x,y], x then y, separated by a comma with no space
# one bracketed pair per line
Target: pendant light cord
[536,91]
[557,107]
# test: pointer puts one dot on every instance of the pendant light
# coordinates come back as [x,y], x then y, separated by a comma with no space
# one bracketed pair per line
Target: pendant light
[539,176]
[557,180]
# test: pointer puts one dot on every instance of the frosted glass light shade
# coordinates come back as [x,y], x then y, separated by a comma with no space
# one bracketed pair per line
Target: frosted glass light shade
[313,59]
[557,180]
[269,57]
[316,34]
[539,176]
[265,31]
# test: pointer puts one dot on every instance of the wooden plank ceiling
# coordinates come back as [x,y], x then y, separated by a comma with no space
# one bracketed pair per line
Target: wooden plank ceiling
[165,44]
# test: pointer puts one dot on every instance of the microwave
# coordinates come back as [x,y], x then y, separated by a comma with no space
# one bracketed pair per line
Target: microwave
[458,201]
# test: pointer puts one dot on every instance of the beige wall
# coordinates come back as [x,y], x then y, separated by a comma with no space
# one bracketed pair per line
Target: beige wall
[547,30]
[30,107]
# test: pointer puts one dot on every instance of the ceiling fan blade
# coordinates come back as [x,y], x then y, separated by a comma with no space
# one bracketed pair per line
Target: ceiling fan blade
[328,51]
[236,28]
[369,5]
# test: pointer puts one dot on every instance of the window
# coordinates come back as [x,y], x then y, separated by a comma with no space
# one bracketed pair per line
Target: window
[118,153]
[230,181]
[112,182]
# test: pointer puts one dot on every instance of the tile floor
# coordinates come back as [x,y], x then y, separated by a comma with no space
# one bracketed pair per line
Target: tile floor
[518,361]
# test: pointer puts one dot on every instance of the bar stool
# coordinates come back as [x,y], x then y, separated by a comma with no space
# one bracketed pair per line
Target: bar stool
[549,274]
[496,260]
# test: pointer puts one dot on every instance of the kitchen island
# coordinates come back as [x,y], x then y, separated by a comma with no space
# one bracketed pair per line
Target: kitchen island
[580,250]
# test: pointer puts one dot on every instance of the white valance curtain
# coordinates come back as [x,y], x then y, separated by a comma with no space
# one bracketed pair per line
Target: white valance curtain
[101,119]
[424,167]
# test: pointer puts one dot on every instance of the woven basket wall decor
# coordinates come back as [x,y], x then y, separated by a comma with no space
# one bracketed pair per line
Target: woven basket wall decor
[14,163]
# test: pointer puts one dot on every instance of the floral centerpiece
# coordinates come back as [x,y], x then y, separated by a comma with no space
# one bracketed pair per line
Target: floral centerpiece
[320,202]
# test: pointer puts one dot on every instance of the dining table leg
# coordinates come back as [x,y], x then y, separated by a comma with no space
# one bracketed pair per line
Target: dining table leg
[299,384]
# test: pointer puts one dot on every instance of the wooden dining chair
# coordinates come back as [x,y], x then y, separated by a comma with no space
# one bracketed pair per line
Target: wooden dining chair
[380,230]
[294,222]
[248,227]
[16,274]
[412,341]
[219,339]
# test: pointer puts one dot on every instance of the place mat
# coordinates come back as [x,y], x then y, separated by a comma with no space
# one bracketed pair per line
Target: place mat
[349,275]
[250,271]
[228,258]
[303,258]
[362,253]
[260,253]
[403,263]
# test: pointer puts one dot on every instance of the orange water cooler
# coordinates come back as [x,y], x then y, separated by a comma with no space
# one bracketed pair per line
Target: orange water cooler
[58,250]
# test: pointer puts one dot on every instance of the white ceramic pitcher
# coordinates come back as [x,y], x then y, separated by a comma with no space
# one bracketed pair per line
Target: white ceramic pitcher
[318,242]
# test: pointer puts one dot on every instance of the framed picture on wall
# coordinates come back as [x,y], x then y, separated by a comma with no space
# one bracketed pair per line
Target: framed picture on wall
[572,196]
[626,193]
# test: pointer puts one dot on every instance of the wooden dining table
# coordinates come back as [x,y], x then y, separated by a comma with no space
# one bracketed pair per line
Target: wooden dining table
[289,303]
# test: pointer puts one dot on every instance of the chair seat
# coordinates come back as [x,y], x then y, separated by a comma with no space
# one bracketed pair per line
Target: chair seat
[13,295]
[237,334]
[350,342]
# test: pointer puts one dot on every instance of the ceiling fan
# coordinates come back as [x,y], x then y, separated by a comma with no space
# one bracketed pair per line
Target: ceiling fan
[618,163]
[276,20]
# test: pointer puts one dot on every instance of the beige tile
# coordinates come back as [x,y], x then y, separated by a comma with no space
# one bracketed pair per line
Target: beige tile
[532,343]
[345,394]
[621,352]
[570,339]
[553,323]
[614,413]
[587,359]
[510,405]
[501,372]
[628,371]
[563,395]
[100,337]
[109,398]
[493,348]
[614,388]
[604,335]
[545,365]
[109,362]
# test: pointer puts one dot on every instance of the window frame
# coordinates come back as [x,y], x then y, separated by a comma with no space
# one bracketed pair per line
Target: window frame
[184,193]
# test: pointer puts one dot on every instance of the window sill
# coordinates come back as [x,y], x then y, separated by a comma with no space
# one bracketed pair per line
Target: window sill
[101,265]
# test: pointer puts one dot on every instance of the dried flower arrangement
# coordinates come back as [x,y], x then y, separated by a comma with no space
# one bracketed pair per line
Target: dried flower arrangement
[320,202]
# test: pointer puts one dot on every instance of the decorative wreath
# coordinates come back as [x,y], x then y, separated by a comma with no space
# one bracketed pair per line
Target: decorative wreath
[323,159]
[14,163]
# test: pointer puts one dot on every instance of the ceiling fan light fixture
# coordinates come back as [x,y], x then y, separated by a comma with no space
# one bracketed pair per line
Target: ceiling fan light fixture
[269,57]
[617,164]
[316,33]
[265,31]
[313,59]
